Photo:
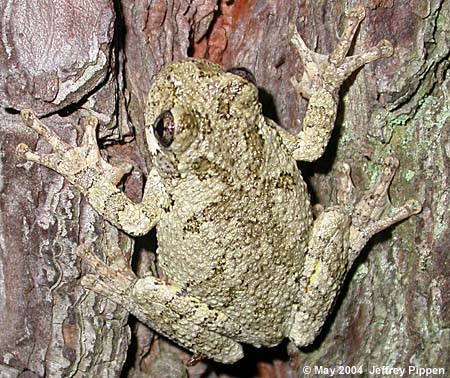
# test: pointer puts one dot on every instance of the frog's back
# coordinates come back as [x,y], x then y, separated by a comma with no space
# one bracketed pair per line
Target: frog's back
[240,249]
[235,233]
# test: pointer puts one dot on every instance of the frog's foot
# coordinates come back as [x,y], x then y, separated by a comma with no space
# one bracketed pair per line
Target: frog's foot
[335,240]
[374,211]
[84,167]
[114,281]
[166,308]
[74,163]
[330,71]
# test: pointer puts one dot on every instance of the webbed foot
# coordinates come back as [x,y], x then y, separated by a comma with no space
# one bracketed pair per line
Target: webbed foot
[330,71]
[74,163]
[374,211]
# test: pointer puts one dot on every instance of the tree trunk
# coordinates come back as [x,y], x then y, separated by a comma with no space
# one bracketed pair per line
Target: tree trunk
[67,59]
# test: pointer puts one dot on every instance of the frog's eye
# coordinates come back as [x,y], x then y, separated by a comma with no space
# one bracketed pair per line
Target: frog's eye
[244,73]
[164,128]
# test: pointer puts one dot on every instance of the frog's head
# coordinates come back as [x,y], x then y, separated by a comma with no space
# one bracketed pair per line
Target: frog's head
[203,120]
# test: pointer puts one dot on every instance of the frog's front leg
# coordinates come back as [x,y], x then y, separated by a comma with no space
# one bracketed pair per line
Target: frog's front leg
[166,308]
[84,167]
[336,239]
[322,78]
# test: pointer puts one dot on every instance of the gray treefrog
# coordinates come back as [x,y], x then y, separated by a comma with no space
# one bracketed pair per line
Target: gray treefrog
[241,258]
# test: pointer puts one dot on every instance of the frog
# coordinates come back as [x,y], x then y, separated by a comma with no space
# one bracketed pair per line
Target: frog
[241,259]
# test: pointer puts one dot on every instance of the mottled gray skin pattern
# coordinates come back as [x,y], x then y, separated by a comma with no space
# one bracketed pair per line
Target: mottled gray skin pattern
[235,232]
[240,259]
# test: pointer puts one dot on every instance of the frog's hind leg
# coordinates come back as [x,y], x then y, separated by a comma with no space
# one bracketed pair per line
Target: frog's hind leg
[336,239]
[167,309]
[324,270]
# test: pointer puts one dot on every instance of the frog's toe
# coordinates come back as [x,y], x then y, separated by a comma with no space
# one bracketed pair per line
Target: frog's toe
[374,211]
[350,64]
[31,120]
[345,189]
[51,161]
[89,148]
[375,200]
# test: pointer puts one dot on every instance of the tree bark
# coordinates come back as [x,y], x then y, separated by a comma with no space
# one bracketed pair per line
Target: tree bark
[69,58]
